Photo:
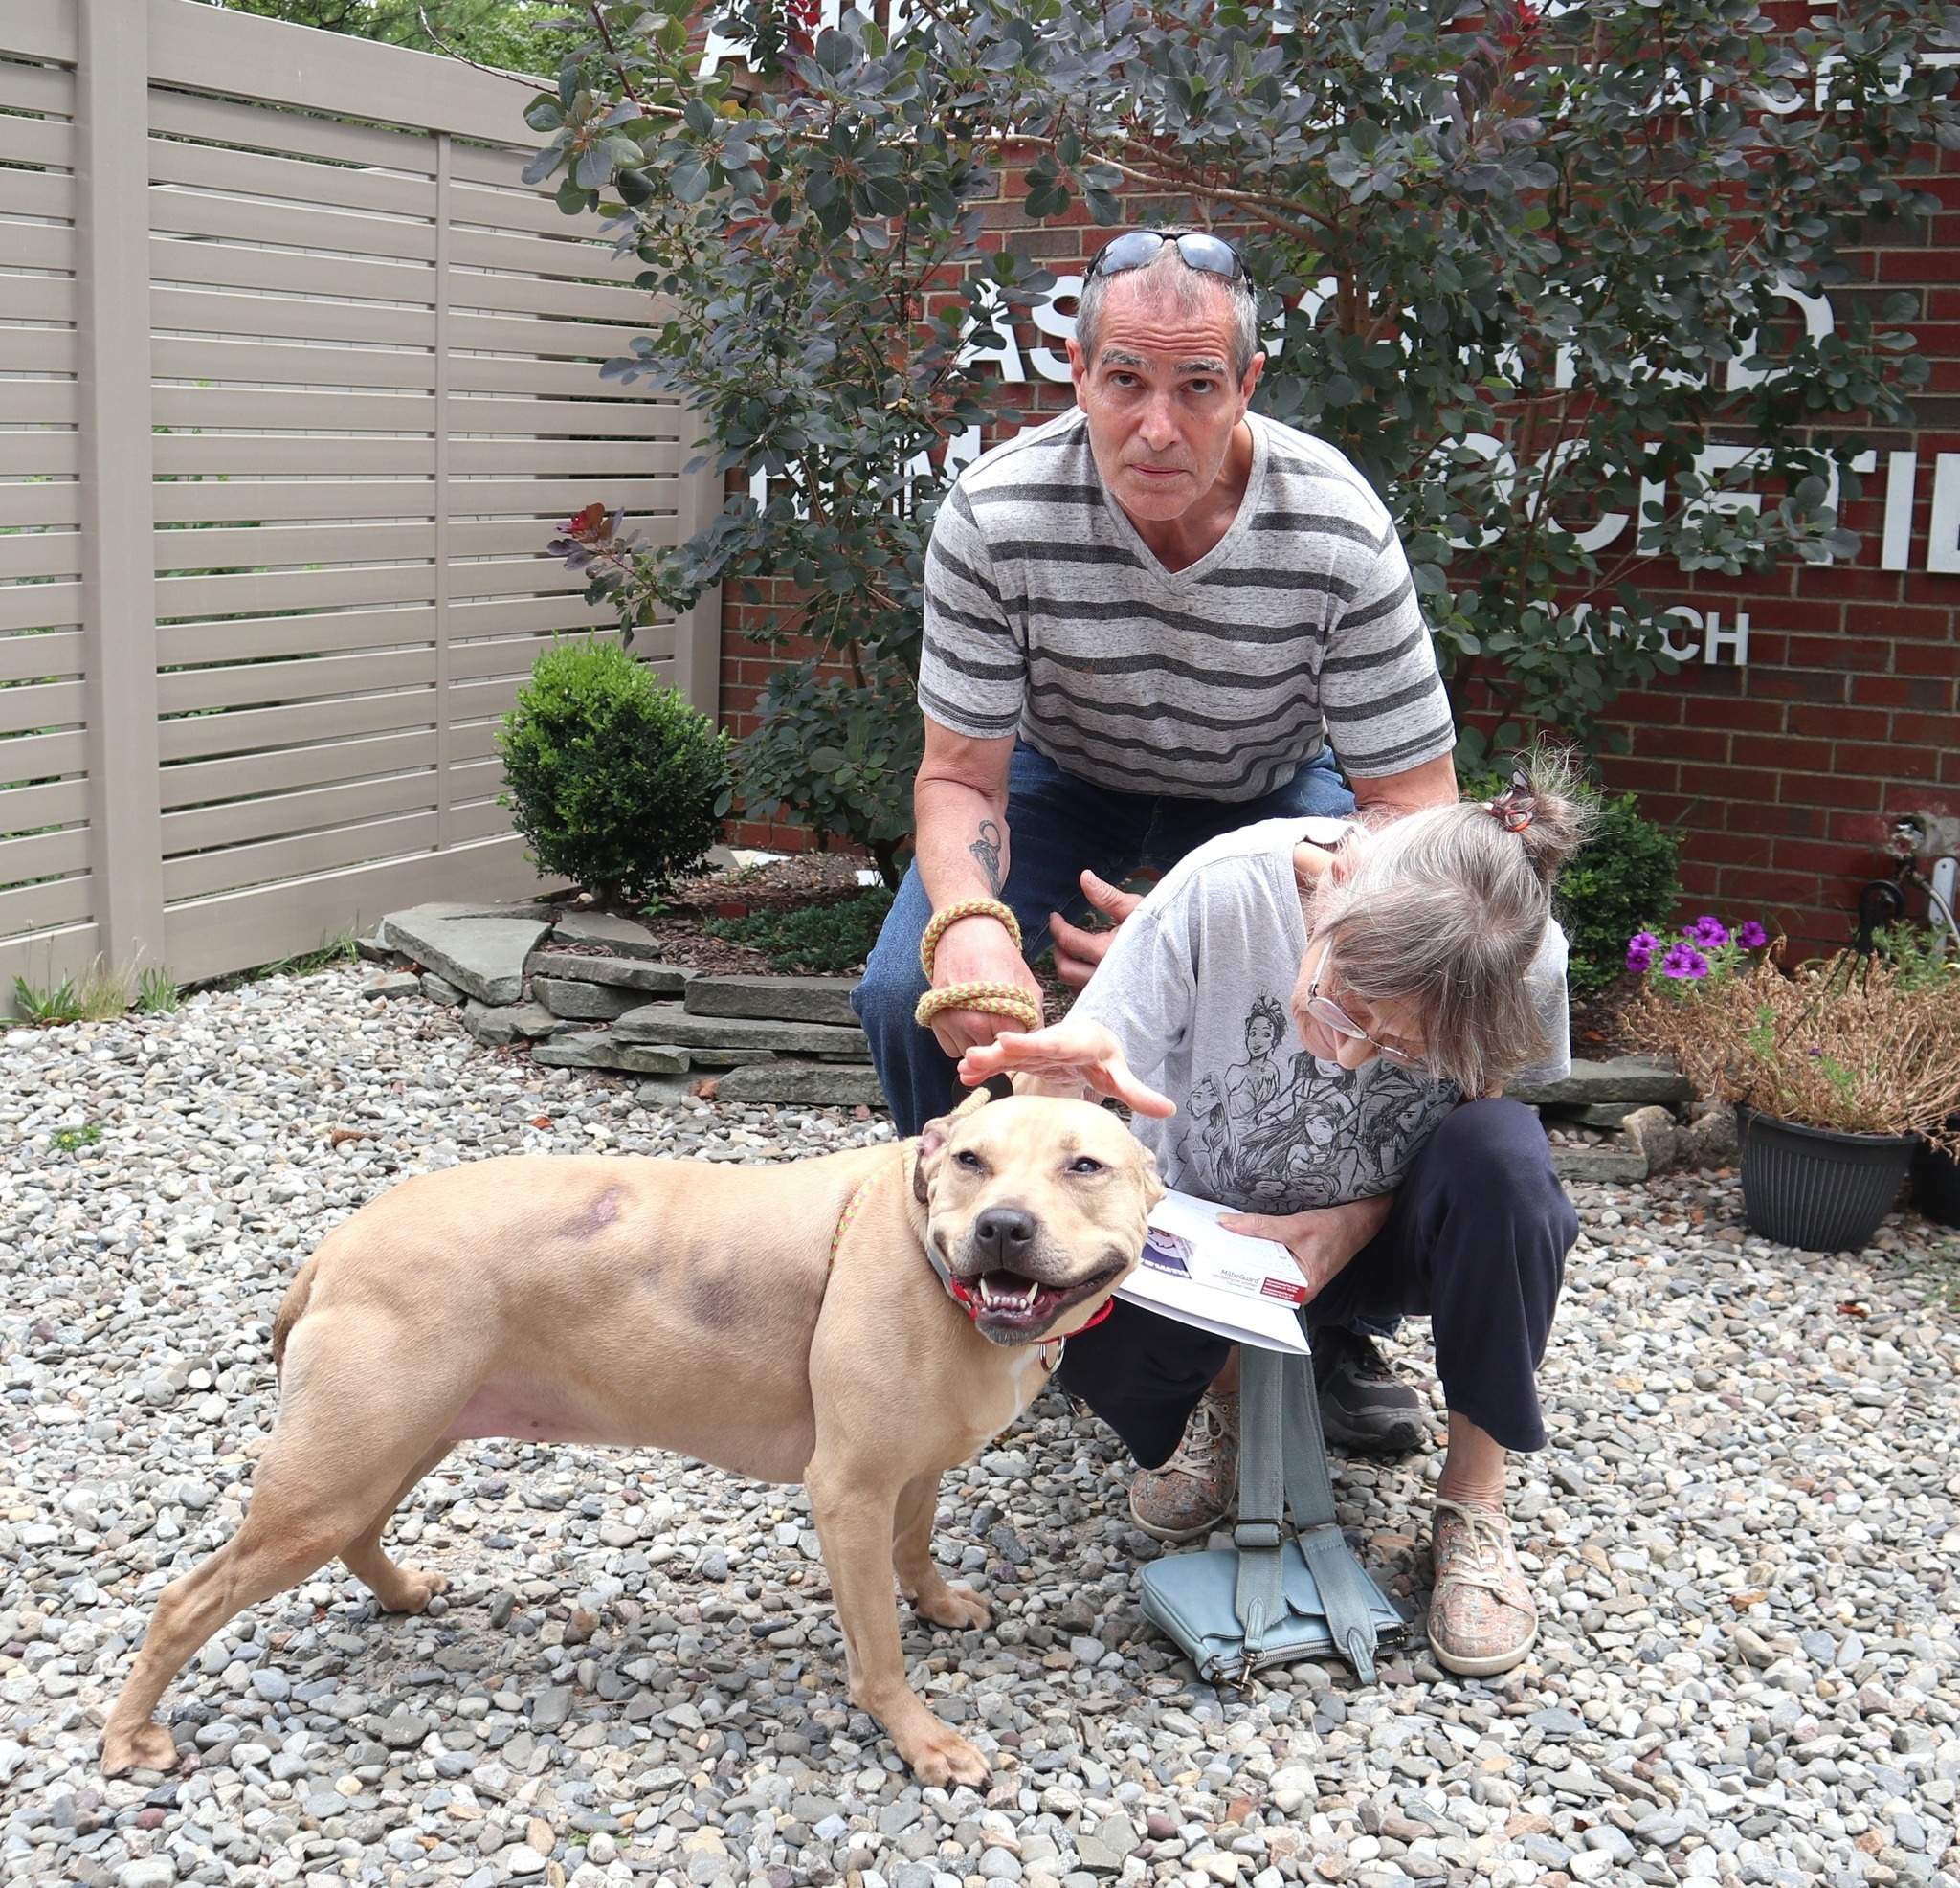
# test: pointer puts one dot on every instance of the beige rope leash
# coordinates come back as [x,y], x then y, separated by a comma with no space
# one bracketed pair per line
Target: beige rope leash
[1007,1000]
[942,921]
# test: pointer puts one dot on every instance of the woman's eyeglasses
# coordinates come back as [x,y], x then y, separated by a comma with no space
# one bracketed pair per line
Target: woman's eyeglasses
[1137,249]
[1325,1010]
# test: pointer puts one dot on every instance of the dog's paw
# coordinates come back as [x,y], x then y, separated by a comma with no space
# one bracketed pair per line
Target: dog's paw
[411,1590]
[939,1755]
[148,1747]
[954,1607]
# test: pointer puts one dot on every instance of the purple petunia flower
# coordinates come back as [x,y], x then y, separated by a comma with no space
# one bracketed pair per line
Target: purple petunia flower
[1707,931]
[1750,935]
[1685,964]
[1640,949]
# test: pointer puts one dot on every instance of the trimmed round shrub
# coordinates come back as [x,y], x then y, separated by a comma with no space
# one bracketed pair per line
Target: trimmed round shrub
[610,777]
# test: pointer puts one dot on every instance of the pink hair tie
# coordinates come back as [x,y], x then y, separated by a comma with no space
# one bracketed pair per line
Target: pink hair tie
[1515,808]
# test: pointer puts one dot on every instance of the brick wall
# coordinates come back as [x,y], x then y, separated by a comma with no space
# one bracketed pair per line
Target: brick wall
[1786,771]
[1783,770]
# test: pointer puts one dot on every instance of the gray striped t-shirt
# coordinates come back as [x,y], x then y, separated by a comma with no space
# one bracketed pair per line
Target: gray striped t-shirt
[1047,616]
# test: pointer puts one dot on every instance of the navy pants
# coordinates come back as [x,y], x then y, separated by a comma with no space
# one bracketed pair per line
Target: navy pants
[1057,827]
[1475,1241]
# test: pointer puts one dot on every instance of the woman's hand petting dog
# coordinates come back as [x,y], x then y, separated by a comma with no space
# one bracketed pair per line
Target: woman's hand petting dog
[1063,1059]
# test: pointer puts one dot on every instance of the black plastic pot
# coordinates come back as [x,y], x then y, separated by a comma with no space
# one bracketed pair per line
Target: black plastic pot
[1936,1182]
[1814,1187]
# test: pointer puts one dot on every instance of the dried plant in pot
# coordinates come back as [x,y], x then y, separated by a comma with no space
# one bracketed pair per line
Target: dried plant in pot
[1837,1068]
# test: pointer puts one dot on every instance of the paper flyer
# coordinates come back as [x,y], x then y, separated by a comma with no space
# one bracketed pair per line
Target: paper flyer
[1194,1270]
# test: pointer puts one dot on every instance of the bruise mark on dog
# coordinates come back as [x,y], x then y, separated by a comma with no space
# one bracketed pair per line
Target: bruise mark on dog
[596,1215]
[717,1296]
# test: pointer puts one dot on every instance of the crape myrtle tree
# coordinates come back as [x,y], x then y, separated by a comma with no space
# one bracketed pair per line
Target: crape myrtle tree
[1547,277]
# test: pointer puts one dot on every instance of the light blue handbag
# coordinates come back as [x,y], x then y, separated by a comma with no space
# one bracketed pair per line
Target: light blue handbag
[1276,1594]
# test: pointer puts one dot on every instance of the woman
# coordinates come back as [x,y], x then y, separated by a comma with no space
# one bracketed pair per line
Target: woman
[1419,968]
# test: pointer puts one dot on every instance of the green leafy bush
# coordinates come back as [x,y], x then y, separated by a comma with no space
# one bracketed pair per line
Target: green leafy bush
[1625,879]
[816,939]
[612,778]
[1526,263]
[837,760]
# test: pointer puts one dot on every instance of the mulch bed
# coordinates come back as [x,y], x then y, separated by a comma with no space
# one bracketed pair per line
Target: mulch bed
[810,878]
[1599,1023]
[780,885]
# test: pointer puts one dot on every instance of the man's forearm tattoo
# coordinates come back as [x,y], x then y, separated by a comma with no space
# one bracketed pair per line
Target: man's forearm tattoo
[986,849]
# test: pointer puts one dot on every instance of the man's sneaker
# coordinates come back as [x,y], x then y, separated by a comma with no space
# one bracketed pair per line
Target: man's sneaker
[1482,1620]
[1195,1490]
[1365,1407]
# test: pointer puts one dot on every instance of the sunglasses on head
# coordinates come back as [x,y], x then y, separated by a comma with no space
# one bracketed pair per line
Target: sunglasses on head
[1137,249]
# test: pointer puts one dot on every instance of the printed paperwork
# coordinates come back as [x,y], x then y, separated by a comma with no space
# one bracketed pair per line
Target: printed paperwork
[1240,1288]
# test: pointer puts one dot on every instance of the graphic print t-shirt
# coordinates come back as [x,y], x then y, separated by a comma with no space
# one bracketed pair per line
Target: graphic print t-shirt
[1197,988]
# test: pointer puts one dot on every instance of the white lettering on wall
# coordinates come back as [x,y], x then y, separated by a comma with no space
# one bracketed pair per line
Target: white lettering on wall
[1942,530]
[1902,486]
[1713,637]
[1049,362]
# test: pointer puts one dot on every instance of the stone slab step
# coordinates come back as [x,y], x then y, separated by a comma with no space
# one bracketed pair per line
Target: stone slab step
[1609,1116]
[615,972]
[1635,1079]
[605,928]
[585,1002]
[671,1022]
[483,957]
[604,1049]
[525,908]
[1597,1164]
[599,1049]
[776,999]
[804,1085]
[516,1022]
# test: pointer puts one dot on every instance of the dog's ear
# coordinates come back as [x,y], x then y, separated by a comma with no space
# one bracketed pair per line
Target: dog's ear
[1153,1184]
[932,1140]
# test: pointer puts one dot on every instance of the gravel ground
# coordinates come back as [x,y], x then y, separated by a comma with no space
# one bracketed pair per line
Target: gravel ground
[1743,1541]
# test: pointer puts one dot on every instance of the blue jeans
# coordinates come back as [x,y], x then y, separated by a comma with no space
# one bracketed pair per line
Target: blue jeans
[1057,827]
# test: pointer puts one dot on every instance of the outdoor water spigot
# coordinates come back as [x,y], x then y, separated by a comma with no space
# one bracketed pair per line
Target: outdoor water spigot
[1906,836]
[1924,835]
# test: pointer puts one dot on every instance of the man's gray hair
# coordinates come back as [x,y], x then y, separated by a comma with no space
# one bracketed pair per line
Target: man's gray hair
[1444,911]
[1167,276]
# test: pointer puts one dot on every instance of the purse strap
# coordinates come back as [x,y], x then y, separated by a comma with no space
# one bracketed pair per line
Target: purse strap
[1283,1463]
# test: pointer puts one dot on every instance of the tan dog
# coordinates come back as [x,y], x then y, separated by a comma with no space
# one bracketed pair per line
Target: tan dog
[778,1321]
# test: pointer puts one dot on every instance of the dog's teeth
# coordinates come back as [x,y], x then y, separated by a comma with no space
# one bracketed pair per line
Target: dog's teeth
[1028,1298]
[986,1291]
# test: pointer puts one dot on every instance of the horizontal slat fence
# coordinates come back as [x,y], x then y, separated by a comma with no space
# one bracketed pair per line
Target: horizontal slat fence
[296,377]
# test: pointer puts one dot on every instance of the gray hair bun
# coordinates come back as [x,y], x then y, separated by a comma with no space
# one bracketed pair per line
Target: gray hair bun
[1447,907]
[1548,808]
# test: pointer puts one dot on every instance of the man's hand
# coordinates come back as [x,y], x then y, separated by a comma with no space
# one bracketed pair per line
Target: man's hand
[978,951]
[1322,1241]
[1076,951]
[1085,1053]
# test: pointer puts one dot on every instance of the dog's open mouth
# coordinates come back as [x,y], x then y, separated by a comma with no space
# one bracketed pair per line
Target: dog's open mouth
[1009,1306]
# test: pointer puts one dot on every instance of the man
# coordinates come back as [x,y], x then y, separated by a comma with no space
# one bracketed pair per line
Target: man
[1146,622]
